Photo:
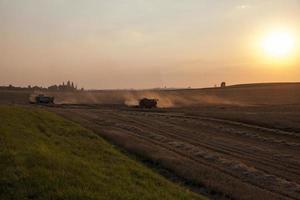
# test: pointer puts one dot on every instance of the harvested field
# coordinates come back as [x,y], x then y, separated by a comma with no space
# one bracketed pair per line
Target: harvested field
[14,97]
[238,142]
[230,152]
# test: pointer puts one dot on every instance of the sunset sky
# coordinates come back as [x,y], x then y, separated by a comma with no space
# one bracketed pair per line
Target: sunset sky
[104,44]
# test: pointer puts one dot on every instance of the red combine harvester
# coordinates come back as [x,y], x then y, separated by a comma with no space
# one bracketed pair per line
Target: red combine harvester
[148,103]
[42,99]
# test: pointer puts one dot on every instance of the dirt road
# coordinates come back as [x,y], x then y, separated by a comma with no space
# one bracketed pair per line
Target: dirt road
[247,153]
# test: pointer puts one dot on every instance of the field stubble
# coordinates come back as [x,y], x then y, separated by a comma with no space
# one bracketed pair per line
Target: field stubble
[232,152]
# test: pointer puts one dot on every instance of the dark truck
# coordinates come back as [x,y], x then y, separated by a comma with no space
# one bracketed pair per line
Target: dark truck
[42,99]
[148,103]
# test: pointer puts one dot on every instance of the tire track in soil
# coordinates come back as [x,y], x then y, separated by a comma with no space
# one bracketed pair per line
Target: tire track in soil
[231,148]
[217,151]
[236,166]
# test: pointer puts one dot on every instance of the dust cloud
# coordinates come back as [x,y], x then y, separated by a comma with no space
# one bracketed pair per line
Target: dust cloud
[166,99]
[175,99]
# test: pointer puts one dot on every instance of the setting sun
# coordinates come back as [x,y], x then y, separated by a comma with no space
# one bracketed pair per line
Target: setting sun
[278,44]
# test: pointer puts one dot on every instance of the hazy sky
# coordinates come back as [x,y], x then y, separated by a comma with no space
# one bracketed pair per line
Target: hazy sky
[143,43]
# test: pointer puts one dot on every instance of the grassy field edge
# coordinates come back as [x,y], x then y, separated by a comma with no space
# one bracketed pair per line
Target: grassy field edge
[44,156]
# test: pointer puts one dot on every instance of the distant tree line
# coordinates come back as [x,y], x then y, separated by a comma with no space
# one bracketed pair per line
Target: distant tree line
[68,87]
